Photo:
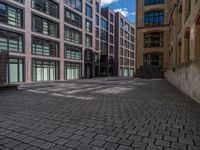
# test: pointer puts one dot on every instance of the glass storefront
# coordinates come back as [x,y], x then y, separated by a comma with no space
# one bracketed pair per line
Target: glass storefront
[72,71]
[15,70]
[45,70]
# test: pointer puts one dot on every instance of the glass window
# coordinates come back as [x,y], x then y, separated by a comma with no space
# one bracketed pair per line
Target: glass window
[45,47]
[153,40]
[10,41]
[73,52]
[88,11]
[154,18]
[104,35]
[88,55]
[97,32]
[75,4]
[88,26]
[44,26]
[45,70]
[97,7]
[11,15]
[88,40]
[104,24]
[111,28]
[97,20]
[72,35]
[47,6]
[15,70]
[153,2]
[73,19]
[111,18]
[72,71]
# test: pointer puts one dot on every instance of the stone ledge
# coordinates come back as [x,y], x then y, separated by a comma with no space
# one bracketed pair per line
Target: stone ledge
[9,87]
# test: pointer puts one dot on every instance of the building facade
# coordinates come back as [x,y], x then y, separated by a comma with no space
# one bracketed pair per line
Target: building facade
[152,25]
[179,21]
[124,46]
[51,39]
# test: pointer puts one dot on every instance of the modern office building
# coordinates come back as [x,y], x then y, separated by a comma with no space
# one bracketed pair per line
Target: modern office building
[152,25]
[107,41]
[124,46]
[52,39]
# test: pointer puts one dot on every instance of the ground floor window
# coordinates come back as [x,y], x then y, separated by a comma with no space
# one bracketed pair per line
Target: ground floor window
[15,70]
[153,60]
[121,72]
[72,71]
[131,72]
[45,70]
[126,72]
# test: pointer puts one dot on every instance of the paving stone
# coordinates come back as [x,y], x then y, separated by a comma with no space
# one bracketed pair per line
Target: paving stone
[162,143]
[154,147]
[178,146]
[58,147]
[72,144]
[125,142]
[122,147]
[47,145]
[110,146]
[98,142]
[84,147]
[139,145]
[112,139]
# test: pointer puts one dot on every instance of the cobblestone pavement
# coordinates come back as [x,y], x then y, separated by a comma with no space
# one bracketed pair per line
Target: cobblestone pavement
[98,114]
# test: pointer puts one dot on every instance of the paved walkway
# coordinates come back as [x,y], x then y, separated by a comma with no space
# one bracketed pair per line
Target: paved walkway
[97,114]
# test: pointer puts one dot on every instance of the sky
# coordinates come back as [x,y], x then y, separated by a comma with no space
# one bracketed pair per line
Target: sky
[126,7]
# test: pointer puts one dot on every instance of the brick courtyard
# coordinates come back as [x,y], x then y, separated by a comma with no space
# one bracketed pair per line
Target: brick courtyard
[98,114]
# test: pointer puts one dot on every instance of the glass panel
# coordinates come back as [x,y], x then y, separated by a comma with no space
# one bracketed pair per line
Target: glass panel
[13,71]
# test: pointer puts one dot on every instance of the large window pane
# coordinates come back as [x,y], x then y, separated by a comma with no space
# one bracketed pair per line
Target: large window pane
[72,71]
[45,47]
[10,41]
[15,70]
[45,70]
[45,26]
[47,6]
[11,15]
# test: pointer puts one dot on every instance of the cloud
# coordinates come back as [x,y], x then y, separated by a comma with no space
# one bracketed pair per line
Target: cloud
[106,2]
[125,12]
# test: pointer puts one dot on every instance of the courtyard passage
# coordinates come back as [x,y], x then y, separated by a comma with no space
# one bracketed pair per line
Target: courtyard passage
[98,114]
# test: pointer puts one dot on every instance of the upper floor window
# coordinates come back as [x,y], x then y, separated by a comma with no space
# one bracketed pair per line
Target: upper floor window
[88,11]
[97,7]
[111,18]
[10,41]
[45,47]
[73,19]
[88,40]
[104,24]
[72,35]
[153,2]
[154,39]
[88,26]
[154,18]
[45,26]
[46,6]
[73,52]
[11,15]
[75,4]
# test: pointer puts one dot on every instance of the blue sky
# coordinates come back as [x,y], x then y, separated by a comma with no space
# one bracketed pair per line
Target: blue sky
[126,7]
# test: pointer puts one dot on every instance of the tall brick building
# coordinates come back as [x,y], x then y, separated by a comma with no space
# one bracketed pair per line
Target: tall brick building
[55,39]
